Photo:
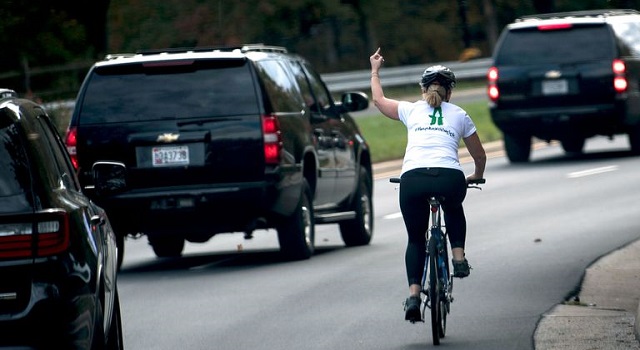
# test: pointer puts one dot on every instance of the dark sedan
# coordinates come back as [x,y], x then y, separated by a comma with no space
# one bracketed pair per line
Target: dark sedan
[58,256]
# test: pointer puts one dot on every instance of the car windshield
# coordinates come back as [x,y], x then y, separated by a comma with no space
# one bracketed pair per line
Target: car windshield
[169,91]
[579,44]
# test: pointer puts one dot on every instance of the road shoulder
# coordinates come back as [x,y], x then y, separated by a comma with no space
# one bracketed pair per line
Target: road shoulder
[605,313]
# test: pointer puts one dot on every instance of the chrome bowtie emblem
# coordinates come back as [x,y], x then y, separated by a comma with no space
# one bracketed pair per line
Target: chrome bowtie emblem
[553,74]
[168,137]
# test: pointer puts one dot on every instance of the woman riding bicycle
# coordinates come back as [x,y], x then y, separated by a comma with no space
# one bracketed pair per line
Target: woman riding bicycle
[431,168]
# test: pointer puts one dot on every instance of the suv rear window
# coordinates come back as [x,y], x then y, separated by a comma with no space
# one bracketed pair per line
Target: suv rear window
[149,92]
[578,44]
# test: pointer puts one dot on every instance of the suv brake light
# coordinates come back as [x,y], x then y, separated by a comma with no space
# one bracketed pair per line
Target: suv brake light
[272,139]
[492,90]
[619,80]
[555,26]
[71,141]
[34,235]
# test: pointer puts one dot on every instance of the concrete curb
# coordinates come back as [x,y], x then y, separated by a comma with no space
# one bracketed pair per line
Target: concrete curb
[638,323]
[605,315]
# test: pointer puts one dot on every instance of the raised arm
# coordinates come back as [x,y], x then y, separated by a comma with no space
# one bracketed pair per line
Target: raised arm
[387,106]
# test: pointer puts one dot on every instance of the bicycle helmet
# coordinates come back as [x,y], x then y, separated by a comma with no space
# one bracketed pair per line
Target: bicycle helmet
[441,74]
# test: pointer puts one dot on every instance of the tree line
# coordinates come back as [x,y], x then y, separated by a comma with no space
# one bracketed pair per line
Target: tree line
[49,44]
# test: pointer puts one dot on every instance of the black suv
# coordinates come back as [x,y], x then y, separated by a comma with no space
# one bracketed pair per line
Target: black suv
[567,77]
[58,252]
[196,142]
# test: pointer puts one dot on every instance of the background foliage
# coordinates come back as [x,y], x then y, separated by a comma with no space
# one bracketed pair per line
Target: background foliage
[49,44]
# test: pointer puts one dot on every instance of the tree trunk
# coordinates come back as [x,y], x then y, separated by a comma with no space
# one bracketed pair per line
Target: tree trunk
[491,24]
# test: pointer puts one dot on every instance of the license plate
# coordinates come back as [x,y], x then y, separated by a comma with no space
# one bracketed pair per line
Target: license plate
[170,156]
[555,87]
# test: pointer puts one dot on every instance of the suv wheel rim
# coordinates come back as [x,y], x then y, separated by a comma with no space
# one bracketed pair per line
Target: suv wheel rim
[366,212]
[306,220]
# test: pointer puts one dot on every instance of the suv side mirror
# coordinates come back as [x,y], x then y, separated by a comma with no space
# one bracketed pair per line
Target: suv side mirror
[109,177]
[355,101]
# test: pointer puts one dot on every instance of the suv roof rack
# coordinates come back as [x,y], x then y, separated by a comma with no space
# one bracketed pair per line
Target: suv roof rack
[7,93]
[573,14]
[244,48]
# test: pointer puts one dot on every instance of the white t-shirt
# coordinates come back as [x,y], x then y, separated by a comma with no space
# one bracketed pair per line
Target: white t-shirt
[433,135]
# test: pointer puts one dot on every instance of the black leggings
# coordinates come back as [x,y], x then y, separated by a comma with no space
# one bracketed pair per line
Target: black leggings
[416,187]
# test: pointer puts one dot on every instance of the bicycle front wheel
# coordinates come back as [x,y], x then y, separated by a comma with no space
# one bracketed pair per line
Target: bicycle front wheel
[435,289]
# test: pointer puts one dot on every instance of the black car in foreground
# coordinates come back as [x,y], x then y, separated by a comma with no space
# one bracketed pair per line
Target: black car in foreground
[58,255]
[567,76]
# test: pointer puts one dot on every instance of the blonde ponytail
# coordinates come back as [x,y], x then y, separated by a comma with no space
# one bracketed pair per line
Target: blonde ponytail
[434,95]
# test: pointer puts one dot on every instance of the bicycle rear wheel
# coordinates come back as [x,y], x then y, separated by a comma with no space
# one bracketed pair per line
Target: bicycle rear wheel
[435,289]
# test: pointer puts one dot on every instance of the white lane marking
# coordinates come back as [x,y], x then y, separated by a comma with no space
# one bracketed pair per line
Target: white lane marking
[393,216]
[593,171]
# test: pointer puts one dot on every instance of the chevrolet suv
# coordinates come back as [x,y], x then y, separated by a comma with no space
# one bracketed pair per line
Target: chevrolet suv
[567,77]
[189,143]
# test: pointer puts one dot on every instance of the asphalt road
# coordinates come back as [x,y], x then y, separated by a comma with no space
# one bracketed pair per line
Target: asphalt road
[532,232]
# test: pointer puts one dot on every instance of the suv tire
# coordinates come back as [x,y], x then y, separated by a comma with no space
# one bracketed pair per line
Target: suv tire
[166,246]
[634,140]
[573,144]
[518,147]
[359,230]
[296,233]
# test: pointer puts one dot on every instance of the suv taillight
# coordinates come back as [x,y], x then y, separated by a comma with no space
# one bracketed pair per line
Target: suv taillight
[71,141]
[34,235]
[492,88]
[272,139]
[619,79]
[555,26]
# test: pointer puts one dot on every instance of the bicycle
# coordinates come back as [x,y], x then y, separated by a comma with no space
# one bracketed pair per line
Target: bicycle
[439,290]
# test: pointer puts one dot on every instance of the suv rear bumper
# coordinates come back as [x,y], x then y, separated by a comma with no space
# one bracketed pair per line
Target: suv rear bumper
[198,212]
[553,123]
[48,305]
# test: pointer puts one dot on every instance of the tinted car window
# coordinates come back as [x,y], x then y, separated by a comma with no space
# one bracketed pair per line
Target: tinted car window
[149,92]
[579,44]
[319,90]
[305,89]
[280,86]
[58,152]
[14,169]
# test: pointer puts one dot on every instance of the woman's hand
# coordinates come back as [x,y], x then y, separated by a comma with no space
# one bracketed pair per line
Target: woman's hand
[388,107]
[472,177]
[376,61]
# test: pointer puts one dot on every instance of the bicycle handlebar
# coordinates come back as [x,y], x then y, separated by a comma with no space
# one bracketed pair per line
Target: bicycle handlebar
[477,181]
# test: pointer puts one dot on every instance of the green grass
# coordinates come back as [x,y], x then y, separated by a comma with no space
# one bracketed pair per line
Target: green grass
[388,138]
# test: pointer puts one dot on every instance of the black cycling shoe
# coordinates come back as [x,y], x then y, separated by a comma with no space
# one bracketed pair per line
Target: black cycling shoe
[412,309]
[461,269]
